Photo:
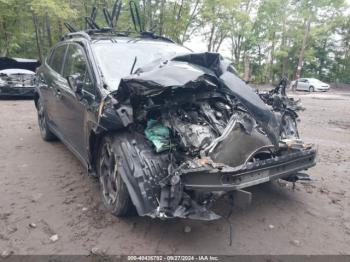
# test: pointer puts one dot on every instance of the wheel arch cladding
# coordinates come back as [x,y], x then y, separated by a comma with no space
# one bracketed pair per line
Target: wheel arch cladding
[36,98]
[94,145]
[140,169]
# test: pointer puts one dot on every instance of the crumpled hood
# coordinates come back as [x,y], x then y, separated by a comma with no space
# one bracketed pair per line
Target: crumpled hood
[187,71]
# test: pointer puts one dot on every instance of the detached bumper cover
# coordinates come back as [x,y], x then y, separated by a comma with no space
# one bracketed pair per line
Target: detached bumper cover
[228,179]
[26,91]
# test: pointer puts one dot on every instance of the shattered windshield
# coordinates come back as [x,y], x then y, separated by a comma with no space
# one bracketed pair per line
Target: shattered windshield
[116,59]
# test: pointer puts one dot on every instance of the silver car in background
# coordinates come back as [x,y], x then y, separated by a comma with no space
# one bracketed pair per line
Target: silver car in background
[309,84]
[16,82]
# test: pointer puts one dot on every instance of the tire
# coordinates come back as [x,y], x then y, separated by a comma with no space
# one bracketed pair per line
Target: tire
[45,131]
[115,195]
[311,89]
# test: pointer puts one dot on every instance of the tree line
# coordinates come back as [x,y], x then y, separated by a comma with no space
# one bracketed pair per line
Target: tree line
[265,39]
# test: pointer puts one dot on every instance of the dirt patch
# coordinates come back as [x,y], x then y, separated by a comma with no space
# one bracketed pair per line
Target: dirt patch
[328,98]
[341,124]
[45,185]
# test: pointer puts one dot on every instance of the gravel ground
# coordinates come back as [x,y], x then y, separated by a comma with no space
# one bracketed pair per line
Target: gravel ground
[46,192]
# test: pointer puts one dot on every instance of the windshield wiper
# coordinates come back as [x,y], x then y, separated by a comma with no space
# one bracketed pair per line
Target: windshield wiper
[133,65]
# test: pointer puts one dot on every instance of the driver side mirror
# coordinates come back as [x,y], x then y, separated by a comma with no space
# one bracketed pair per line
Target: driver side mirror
[75,83]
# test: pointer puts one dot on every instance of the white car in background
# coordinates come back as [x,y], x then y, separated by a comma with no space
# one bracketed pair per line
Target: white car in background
[310,84]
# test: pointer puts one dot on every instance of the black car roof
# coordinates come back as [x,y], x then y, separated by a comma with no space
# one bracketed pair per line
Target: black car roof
[20,63]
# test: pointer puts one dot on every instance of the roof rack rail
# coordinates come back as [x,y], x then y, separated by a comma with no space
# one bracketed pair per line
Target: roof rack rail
[82,34]
[70,27]
[147,34]
[103,30]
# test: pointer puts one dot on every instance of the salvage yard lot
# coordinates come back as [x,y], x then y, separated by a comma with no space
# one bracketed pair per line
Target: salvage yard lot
[44,184]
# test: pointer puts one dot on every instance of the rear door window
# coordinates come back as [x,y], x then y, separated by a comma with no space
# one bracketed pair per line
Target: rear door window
[56,61]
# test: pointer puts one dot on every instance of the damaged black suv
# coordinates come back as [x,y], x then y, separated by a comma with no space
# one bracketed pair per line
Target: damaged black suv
[167,131]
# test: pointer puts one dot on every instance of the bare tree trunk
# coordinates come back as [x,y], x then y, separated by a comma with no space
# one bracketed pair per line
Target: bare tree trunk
[6,50]
[218,43]
[302,50]
[284,66]
[48,30]
[180,11]
[86,8]
[161,18]
[38,45]
[41,31]
[259,54]
[283,47]
[144,14]
[272,58]
[178,17]
[322,60]
[60,29]
[211,38]
[246,67]
[236,48]
[150,16]
[189,22]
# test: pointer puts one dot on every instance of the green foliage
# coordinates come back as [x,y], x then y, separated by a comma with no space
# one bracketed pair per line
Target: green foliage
[55,8]
[265,38]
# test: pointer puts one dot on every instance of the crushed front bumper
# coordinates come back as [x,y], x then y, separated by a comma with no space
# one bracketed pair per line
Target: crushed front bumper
[250,174]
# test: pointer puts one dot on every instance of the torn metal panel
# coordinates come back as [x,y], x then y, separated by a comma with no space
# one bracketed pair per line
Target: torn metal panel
[18,63]
[236,148]
[181,73]
[259,110]
[113,115]
[212,61]
[161,77]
